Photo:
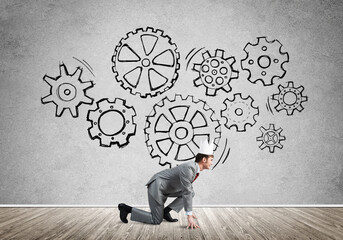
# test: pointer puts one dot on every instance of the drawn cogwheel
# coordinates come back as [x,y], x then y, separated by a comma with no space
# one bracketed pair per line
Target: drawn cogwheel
[67,91]
[264,61]
[112,122]
[289,98]
[175,128]
[239,112]
[271,138]
[215,72]
[146,62]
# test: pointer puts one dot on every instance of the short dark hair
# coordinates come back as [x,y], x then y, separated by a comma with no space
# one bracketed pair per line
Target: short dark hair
[200,156]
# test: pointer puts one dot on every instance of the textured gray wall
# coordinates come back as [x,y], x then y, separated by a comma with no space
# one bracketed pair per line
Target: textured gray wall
[51,160]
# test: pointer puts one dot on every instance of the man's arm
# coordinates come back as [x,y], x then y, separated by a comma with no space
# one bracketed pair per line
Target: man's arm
[186,175]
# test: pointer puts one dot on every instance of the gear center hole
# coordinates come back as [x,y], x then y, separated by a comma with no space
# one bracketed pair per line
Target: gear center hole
[290,98]
[181,133]
[239,111]
[146,62]
[67,92]
[264,61]
[111,122]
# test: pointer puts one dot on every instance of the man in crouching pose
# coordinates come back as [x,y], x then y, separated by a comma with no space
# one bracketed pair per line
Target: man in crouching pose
[172,182]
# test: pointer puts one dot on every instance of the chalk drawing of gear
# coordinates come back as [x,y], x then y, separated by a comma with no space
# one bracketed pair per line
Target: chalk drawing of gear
[264,61]
[239,112]
[290,98]
[215,72]
[146,62]
[175,128]
[112,122]
[67,91]
[271,138]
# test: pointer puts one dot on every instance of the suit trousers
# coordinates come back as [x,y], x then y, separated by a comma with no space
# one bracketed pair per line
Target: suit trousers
[156,208]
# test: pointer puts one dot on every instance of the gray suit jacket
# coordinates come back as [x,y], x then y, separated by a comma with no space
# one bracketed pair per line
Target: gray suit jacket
[174,182]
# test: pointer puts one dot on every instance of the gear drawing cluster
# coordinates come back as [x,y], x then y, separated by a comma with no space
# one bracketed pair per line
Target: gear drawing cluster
[112,122]
[67,91]
[264,61]
[175,128]
[271,138]
[215,72]
[289,98]
[146,62]
[239,112]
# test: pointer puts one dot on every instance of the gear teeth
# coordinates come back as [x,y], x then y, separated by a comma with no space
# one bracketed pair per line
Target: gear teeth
[71,95]
[174,157]
[49,80]
[197,67]
[271,138]
[289,107]
[128,129]
[63,70]
[239,112]
[219,53]
[206,55]
[258,72]
[120,69]
[211,68]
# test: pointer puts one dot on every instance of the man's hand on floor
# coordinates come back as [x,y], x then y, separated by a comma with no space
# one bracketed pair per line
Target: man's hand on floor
[191,222]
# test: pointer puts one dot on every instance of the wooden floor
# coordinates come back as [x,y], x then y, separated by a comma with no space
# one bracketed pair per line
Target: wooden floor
[215,223]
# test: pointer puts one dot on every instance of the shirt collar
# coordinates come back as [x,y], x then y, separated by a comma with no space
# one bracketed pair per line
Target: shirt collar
[198,168]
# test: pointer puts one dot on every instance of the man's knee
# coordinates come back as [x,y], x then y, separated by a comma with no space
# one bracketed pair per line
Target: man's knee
[193,194]
[157,221]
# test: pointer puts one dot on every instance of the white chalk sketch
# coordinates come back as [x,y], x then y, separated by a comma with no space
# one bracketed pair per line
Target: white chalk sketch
[175,128]
[67,91]
[271,138]
[239,112]
[112,122]
[290,98]
[264,61]
[146,62]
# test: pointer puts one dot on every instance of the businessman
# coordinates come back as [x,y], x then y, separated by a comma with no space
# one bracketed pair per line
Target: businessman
[173,182]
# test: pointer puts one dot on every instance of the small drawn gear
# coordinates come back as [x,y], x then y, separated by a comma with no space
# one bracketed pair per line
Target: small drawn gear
[271,138]
[146,62]
[239,112]
[67,91]
[264,61]
[112,122]
[215,72]
[175,128]
[290,98]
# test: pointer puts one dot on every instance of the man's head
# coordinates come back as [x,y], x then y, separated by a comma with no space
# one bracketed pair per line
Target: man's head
[204,161]
[205,155]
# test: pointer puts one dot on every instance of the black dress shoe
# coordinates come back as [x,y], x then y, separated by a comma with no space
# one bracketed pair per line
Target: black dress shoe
[123,212]
[167,217]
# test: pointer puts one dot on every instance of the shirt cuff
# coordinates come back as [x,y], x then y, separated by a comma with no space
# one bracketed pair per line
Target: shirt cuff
[189,213]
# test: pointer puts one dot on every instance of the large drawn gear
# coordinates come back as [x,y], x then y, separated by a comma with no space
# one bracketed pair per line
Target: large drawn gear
[271,138]
[215,72]
[264,61]
[67,91]
[175,128]
[290,98]
[239,112]
[112,122]
[146,62]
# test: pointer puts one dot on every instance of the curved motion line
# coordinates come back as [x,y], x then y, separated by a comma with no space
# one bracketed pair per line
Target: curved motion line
[189,61]
[87,66]
[223,154]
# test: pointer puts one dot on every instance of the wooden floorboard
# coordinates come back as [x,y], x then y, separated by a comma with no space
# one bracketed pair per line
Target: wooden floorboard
[215,223]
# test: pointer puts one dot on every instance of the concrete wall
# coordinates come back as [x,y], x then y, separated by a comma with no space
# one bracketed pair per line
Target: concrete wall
[46,159]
